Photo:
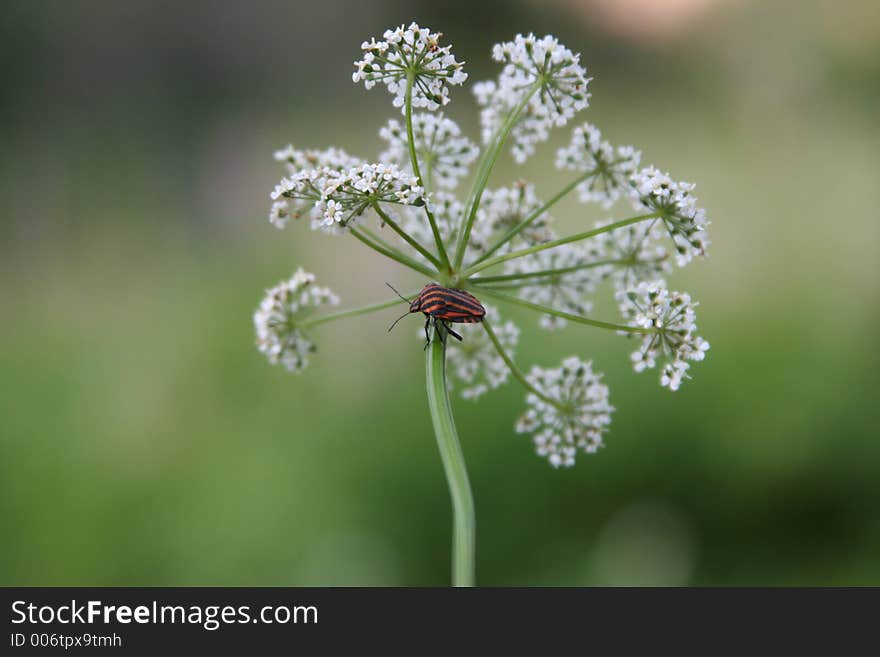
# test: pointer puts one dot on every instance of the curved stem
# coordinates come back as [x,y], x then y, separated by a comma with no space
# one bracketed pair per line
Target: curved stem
[393,254]
[525,223]
[362,310]
[405,236]
[376,239]
[546,272]
[564,315]
[463,523]
[473,269]
[487,163]
[414,160]
[517,373]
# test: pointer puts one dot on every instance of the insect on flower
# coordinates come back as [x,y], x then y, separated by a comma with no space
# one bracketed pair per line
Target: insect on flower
[445,305]
[461,240]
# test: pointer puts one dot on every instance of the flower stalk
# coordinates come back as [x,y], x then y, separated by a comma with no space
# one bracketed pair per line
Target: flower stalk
[525,223]
[517,373]
[390,253]
[414,161]
[497,260]
[564,315]
[484,169]
[463,521]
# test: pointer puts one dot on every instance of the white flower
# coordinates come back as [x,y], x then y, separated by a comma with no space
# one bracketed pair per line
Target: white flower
[636,253]
[410,50]
[568,291]
[547,70]
[474,361]
[297,160]
[610,168]
[299,194]
[677,206]
[674,339]
[506,207]
[347,195]
[279,214]
[277,321]
[441,149]
[578,417]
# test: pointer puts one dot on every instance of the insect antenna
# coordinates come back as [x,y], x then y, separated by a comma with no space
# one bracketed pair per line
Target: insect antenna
[397,293]
[397,320]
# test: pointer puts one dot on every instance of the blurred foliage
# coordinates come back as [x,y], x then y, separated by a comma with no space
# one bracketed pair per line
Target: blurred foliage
[144,441]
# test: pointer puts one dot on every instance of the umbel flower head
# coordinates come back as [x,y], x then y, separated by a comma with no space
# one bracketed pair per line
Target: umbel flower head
[570,413]
[308,171]
[677,207]
[610,169]
[410,53]
[498,243]
[279,321]
[475,362]
[506,207]
[541,78]
[439,144]
[673,340]
[336,199]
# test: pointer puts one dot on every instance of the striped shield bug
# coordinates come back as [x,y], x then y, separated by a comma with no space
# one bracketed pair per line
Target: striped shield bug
[445,305]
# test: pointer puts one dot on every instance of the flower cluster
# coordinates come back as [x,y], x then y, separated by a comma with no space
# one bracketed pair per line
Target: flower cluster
[673,339]
[677,206]
[499,243]
[335,199]
[475,362]
[308,174]
[607,170]
[438,142]
[572,411]
[542,81]
[410,53]
[506,207]
[278,320]
[296,160]
[347,196]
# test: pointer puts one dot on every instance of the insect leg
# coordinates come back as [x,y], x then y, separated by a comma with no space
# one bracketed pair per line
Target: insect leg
[451,332]
[427,335]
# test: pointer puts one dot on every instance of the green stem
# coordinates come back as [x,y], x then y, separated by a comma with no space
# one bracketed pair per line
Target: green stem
[393,254]
[414,160]
[525,223]
[376,239]
[463,523]
[547,272]
[487,163]
[362,310]
[405,236]
[473,269]
[564,315]
[517,373]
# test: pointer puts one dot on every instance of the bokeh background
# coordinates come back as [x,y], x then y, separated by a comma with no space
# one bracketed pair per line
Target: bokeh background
[145,441]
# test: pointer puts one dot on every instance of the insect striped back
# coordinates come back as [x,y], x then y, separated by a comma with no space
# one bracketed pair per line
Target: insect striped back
[445,305]
[448,304]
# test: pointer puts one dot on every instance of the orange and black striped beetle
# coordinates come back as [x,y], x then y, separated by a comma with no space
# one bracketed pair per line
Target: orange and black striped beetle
[445,305]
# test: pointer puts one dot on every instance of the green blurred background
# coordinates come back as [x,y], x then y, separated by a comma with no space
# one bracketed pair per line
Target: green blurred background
[145,441]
